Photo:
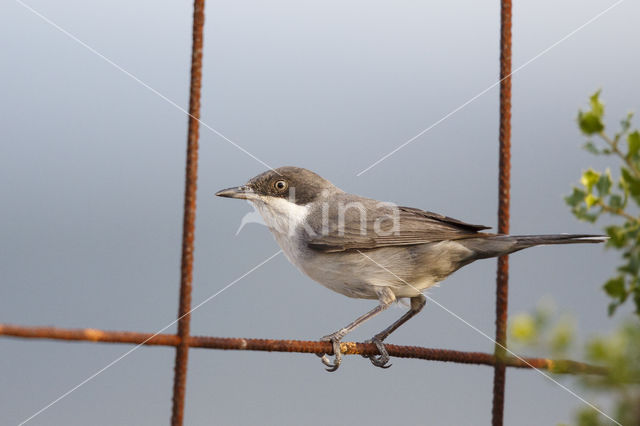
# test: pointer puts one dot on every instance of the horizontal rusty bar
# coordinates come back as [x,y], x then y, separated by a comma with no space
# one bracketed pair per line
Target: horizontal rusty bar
[300,346]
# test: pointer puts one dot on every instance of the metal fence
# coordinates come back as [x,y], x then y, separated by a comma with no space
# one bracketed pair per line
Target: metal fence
[182,341]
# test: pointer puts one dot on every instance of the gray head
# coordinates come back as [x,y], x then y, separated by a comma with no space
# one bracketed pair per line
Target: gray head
[295,184]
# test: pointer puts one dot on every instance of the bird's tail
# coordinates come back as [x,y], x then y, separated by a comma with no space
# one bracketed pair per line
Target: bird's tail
[525,241]
[500,245]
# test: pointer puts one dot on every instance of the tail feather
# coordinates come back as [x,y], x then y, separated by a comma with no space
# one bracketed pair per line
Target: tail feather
[500,245]
[524,241]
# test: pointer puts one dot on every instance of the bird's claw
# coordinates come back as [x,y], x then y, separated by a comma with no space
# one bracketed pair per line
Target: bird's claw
[337,355]
[379,360]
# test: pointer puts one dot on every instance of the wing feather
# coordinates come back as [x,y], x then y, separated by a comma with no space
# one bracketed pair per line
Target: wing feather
[386,225]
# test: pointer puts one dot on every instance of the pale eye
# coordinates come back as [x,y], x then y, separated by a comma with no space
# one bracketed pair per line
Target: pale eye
[280,185]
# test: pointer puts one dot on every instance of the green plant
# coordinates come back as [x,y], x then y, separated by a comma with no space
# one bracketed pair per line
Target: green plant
[543,330]
[598,196]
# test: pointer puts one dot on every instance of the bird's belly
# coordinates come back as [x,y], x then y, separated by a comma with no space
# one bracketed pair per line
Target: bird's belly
[407,271]
[362,274]
[337,271]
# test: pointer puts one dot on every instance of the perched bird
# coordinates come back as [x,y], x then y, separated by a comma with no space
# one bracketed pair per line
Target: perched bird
[368,249]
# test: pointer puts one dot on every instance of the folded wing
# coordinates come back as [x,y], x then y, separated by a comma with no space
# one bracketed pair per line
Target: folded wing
[371,224]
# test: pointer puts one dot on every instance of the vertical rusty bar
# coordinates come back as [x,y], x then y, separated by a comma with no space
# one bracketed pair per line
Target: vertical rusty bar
[504,186]
[188,226]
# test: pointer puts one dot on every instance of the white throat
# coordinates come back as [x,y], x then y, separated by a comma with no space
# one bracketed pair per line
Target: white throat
[282,216]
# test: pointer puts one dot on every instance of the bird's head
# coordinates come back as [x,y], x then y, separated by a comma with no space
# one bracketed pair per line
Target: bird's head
[294,184]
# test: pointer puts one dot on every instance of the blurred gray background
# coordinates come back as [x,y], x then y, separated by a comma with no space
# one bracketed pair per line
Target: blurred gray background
[92,177]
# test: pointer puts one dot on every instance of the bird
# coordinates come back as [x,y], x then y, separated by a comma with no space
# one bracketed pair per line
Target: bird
[369,249]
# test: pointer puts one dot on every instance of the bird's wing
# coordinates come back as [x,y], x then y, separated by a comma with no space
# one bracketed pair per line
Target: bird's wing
[385,225]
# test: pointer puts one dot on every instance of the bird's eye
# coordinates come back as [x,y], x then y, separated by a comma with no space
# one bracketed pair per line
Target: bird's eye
[280,185]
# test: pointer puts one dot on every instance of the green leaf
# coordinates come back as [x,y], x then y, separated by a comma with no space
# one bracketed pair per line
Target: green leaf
[589,178]
[597,107]
[624,186]
[615,288]
[591,200]
[604,183]
[633,266]
[590,123]
[562,337]
[633,141]
[630,181]
[616,202]
[617,236]
[597,349]
[582,213]
[626,122]
[611,309]
[576,197]
[523,328]
[592,148]
[588,417]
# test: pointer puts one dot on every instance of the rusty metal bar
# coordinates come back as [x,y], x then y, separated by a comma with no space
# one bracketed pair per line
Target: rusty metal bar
[504,186]
[188,227]
[299,346]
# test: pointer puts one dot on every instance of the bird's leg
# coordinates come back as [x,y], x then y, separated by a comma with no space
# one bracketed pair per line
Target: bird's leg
[417,303]
[385,298]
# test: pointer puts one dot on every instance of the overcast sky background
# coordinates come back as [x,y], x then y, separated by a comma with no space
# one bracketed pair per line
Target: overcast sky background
[92,178]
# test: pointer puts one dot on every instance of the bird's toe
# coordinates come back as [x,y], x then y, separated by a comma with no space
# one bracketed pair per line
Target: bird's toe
[337,355]
[382,359]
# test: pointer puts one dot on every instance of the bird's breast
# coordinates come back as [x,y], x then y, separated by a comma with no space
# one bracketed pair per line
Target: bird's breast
[285,219]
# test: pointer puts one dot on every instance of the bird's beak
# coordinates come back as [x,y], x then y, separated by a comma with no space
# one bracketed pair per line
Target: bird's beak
[244,192]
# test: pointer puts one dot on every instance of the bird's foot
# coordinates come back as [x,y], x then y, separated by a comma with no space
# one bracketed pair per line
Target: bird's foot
[379,360]
[337,355]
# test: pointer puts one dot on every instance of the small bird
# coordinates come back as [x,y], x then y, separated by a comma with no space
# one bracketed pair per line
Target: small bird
[368,249]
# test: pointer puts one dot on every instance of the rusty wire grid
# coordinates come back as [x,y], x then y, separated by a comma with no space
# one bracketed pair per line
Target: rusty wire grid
[182,341]
[189,219]
[562,366]
[504,198]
